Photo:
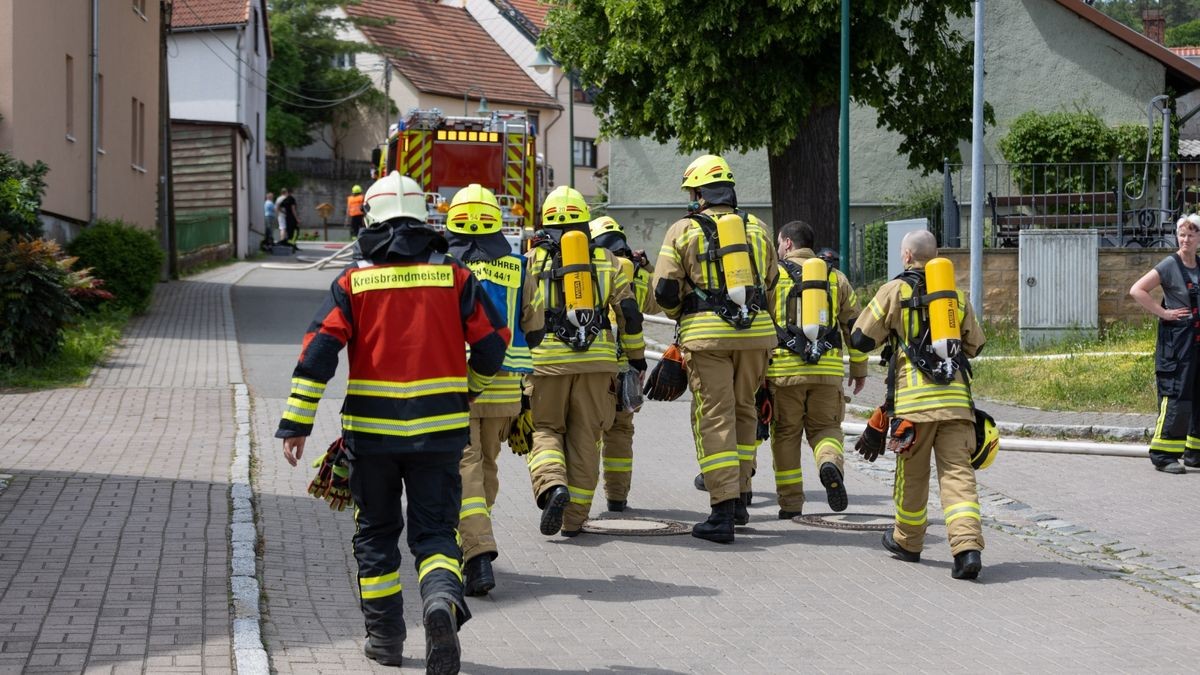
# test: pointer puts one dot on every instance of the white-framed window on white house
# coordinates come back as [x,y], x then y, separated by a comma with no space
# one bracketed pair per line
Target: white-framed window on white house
[254,13]
[139,8]
[69,98]
[345,61]
[585,152]
[137,135]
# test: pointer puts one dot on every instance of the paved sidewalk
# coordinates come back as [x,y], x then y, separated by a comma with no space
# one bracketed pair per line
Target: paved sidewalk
[115,522]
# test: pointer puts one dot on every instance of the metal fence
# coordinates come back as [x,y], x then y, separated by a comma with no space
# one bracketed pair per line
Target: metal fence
[1128,203]
[315,167]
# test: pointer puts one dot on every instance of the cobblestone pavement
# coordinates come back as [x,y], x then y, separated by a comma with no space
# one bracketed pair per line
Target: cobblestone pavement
[114,524]
[1053,594]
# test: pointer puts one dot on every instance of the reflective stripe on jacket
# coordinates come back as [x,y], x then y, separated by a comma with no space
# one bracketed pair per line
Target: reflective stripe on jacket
[406,326]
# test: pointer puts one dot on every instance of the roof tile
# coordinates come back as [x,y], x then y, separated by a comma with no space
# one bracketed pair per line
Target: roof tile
[199,13]
[445,51]
[534,10]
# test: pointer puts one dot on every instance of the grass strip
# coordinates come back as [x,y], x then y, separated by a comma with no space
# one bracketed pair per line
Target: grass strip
[84,345]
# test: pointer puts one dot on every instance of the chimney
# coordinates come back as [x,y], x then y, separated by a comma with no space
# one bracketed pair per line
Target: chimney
[1154,26]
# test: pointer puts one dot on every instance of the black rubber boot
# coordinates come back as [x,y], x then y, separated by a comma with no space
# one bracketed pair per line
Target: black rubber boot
[719,526]
[698,483]
[444,611]
[477,575]
[835,487]
[552,509]
[385,653]
[897,551]
[740,515]
[784,514]
[442,652]
[967,565]
[617,505]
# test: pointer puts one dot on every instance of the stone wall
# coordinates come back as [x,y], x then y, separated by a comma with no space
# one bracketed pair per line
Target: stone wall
[1119,268]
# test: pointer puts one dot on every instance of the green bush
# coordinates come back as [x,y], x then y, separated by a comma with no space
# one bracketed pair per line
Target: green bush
[277,180]
[35,303]
[21,188]
[126,258]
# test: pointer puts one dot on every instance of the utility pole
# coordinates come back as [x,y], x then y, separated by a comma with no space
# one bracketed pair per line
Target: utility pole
[977,179]
[387,95]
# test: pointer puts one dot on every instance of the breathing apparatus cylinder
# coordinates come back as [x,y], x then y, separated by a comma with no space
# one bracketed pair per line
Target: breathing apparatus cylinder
[739,276]
[944,329]
[814,302]
[577,286]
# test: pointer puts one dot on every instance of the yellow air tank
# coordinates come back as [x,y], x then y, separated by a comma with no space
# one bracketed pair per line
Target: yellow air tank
[814,302]
[739,276]
[577,286]
[943,312]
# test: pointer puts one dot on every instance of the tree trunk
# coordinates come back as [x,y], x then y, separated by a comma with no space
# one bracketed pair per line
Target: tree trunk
[804,179]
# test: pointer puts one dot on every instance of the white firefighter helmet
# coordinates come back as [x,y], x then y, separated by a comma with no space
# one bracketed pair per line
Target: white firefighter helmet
[394,196]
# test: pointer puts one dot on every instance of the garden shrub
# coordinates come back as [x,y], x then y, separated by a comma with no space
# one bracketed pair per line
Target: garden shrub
[128,259]
[35,302]
[21,188]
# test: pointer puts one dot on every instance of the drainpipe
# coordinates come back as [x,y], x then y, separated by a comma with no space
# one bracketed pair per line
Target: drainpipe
[94,155]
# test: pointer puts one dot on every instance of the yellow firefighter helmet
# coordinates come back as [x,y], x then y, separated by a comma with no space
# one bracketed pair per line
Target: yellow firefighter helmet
[565,206]
[474,210]
[705,170]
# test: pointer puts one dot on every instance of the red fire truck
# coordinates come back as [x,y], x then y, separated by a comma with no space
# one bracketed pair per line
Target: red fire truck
[444,154]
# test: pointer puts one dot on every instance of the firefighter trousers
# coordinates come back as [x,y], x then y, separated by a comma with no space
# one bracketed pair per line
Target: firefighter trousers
[813,410]
[480,485]
[724,419]
[1177,431]
[951,443]
[617,455]
[377,483]
[570,414]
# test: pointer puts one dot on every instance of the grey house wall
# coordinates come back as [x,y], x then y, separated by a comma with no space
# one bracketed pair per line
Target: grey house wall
[1039,56]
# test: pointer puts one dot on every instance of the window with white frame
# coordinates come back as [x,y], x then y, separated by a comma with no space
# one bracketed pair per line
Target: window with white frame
[585,152]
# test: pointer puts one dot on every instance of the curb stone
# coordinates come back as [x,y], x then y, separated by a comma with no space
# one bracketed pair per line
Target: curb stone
[1101,553]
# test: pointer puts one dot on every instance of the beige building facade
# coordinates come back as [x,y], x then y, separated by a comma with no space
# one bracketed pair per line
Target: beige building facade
[46,100]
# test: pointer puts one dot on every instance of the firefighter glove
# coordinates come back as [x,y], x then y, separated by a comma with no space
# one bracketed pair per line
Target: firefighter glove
[332,482]
[520,434]
[901,436]
[668,380]
[765,405]
[870,442]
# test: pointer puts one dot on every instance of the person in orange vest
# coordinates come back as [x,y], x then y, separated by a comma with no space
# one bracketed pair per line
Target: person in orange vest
[354,210]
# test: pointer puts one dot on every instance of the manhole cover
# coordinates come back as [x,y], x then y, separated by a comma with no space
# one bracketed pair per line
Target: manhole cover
[848,521]
[635,525]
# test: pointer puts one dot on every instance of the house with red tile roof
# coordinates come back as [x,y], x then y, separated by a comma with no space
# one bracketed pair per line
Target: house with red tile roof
[572,136]
[218,52]
[448,55]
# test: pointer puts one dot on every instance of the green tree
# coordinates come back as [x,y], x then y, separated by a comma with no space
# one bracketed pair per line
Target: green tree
[309,97]
[728,74]
[1184,35]
[1129,12]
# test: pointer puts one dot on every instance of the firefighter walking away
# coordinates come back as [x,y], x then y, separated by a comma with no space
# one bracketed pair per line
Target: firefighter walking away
[930,332]
[406,312]
[716,276]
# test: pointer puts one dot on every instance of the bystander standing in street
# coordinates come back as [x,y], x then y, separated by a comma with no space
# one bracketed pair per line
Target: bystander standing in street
[354,211]
[1177,352]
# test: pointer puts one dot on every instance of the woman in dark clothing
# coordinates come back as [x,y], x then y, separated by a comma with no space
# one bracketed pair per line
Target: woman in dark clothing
[1177,352]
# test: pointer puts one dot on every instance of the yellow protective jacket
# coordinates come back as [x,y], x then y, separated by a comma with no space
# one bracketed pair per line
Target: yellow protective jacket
[789,368]
[917,398]
[645,300]
[680,266]
[553,356]
[512,288]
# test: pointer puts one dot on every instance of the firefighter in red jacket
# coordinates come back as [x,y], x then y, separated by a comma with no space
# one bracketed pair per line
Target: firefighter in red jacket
[405,313]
